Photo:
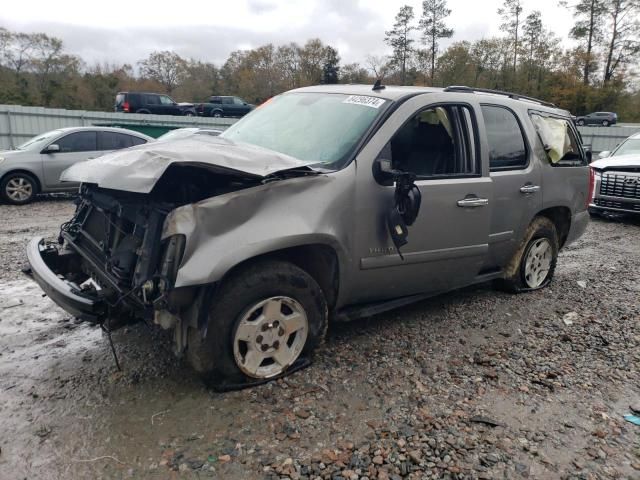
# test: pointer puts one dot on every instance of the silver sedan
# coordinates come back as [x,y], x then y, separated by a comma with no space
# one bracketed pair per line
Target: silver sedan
[35,166]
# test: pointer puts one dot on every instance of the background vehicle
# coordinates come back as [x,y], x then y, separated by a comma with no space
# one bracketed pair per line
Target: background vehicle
[617,184]
[224,106]
[605,119]
[156,103]
[35,166]
[629,146]
[247,243]
[187,132]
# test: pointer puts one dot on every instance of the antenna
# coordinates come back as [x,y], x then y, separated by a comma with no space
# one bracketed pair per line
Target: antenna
[378,85]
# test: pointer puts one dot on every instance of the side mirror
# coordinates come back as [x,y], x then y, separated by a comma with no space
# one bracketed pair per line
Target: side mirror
[604,154]
[383,171]
[53,148]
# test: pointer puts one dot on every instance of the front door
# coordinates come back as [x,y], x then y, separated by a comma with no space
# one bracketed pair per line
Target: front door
[74,147]
[169,107]
[448,243]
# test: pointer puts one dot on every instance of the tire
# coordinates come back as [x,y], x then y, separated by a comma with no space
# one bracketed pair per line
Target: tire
[18,188]
[534,263]
[581,123]
[143,111]
[224,360]
[605,123]
[189,114]
[217,114]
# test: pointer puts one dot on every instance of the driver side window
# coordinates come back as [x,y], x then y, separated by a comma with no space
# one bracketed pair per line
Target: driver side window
[436,142]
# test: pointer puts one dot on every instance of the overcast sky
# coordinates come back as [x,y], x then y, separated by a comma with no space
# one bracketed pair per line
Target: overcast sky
[118,31]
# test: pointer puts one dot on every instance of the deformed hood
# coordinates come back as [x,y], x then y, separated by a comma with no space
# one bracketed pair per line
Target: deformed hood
[631,160]
[137,169]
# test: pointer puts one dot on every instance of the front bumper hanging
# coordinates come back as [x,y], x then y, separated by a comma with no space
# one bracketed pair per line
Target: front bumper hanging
[43,260]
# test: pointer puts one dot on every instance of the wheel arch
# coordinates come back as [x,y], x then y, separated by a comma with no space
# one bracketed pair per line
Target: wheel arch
[561,218]
[26,172]
[319,260]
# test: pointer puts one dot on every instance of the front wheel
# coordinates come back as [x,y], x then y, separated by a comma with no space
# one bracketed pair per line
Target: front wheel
[18,188]
[217,114]
[534,263]
[189,114]
[581,123]
[605,123]
[265,319]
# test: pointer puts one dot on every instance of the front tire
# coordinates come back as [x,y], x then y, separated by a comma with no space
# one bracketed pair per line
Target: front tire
[581,123]
[18,188]
[534,263]
[263,321]
[217,114]
[605,123]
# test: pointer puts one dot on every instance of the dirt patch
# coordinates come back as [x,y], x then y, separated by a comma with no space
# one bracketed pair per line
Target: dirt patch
[394,396]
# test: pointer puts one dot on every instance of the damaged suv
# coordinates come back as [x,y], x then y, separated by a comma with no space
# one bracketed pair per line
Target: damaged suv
[326,202]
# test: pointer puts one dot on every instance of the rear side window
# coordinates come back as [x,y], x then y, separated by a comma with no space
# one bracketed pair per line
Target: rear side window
[559,139]
[216,100]
[507,148]
[78,142]
[137,140]
[227,101]
[113,141]
[119,99]
[152,99]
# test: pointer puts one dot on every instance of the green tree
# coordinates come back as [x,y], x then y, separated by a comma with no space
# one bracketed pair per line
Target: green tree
[331,67]
[511,13]
[398,38]
[434,28]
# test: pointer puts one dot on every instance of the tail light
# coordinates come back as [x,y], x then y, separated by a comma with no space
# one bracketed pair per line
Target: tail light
[592,181]
[125,107]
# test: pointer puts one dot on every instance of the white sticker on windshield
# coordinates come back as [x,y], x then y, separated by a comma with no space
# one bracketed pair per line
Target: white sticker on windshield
[372,102]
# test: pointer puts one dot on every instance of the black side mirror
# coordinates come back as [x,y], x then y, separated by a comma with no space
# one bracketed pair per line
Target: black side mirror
[383,171]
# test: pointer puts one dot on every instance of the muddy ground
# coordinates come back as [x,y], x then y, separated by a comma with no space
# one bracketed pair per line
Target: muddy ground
[475,384]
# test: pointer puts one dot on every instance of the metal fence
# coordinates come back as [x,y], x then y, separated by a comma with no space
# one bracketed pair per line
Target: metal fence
[18,124]
[606,138]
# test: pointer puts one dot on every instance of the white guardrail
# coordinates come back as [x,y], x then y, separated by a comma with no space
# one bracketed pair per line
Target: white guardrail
[18,124]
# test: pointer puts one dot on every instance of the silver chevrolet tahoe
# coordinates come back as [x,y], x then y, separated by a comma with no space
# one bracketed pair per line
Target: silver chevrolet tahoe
[327,202]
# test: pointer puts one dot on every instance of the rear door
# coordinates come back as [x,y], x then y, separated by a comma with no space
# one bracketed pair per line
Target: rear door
[74,147]
[517,181]
[448,242]
[152,104]
[110,141]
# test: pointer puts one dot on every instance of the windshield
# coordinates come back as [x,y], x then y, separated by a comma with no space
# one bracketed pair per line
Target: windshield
[321,128]
[39,141]
[630,146]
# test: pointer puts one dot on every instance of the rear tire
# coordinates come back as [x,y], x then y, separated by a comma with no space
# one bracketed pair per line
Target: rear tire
[605,123]
[217,114]
[534,263]
[265,318]
[18,188]
[581,123]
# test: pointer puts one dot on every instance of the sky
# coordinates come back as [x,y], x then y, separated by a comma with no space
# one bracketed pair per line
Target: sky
[120,31]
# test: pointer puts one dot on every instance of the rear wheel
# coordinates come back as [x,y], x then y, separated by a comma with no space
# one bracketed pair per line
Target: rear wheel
[264,320]
[605,123]
[189,113]
[217,114]
[533,265]
[18,188]
[580,122]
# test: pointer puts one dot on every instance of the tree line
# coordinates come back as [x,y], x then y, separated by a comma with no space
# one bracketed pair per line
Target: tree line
[597,73]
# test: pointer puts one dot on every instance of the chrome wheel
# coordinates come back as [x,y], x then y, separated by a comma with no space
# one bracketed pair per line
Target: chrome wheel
[19,189]
[270,336]
[538,262]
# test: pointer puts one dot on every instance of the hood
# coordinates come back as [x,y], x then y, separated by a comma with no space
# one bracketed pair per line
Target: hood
[632,160]
[137,169]
[185,104]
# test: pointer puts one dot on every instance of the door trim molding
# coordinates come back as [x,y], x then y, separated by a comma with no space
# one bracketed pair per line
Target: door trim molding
[411,258]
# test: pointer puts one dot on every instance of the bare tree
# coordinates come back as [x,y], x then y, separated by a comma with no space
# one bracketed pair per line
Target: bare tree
[379,65]
[622,44]
[167,68]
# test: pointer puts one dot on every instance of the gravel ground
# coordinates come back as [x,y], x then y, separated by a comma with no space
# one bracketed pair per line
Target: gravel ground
[474,384]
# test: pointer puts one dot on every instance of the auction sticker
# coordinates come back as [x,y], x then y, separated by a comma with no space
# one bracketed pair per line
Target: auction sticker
[373,102]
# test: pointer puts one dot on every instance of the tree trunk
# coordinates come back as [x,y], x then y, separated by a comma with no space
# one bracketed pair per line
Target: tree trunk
[614,35]
[587,64]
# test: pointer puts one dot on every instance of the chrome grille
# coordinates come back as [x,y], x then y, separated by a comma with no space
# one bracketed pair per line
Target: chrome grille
[633,207]
[617,184]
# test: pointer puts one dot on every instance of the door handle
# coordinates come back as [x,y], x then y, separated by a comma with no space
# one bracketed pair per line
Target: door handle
[529,188]
[473,202]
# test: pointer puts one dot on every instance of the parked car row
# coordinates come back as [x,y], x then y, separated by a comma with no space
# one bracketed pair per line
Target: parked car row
[160,104]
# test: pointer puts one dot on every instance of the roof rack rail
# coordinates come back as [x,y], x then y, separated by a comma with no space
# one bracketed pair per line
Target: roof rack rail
[515,96]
